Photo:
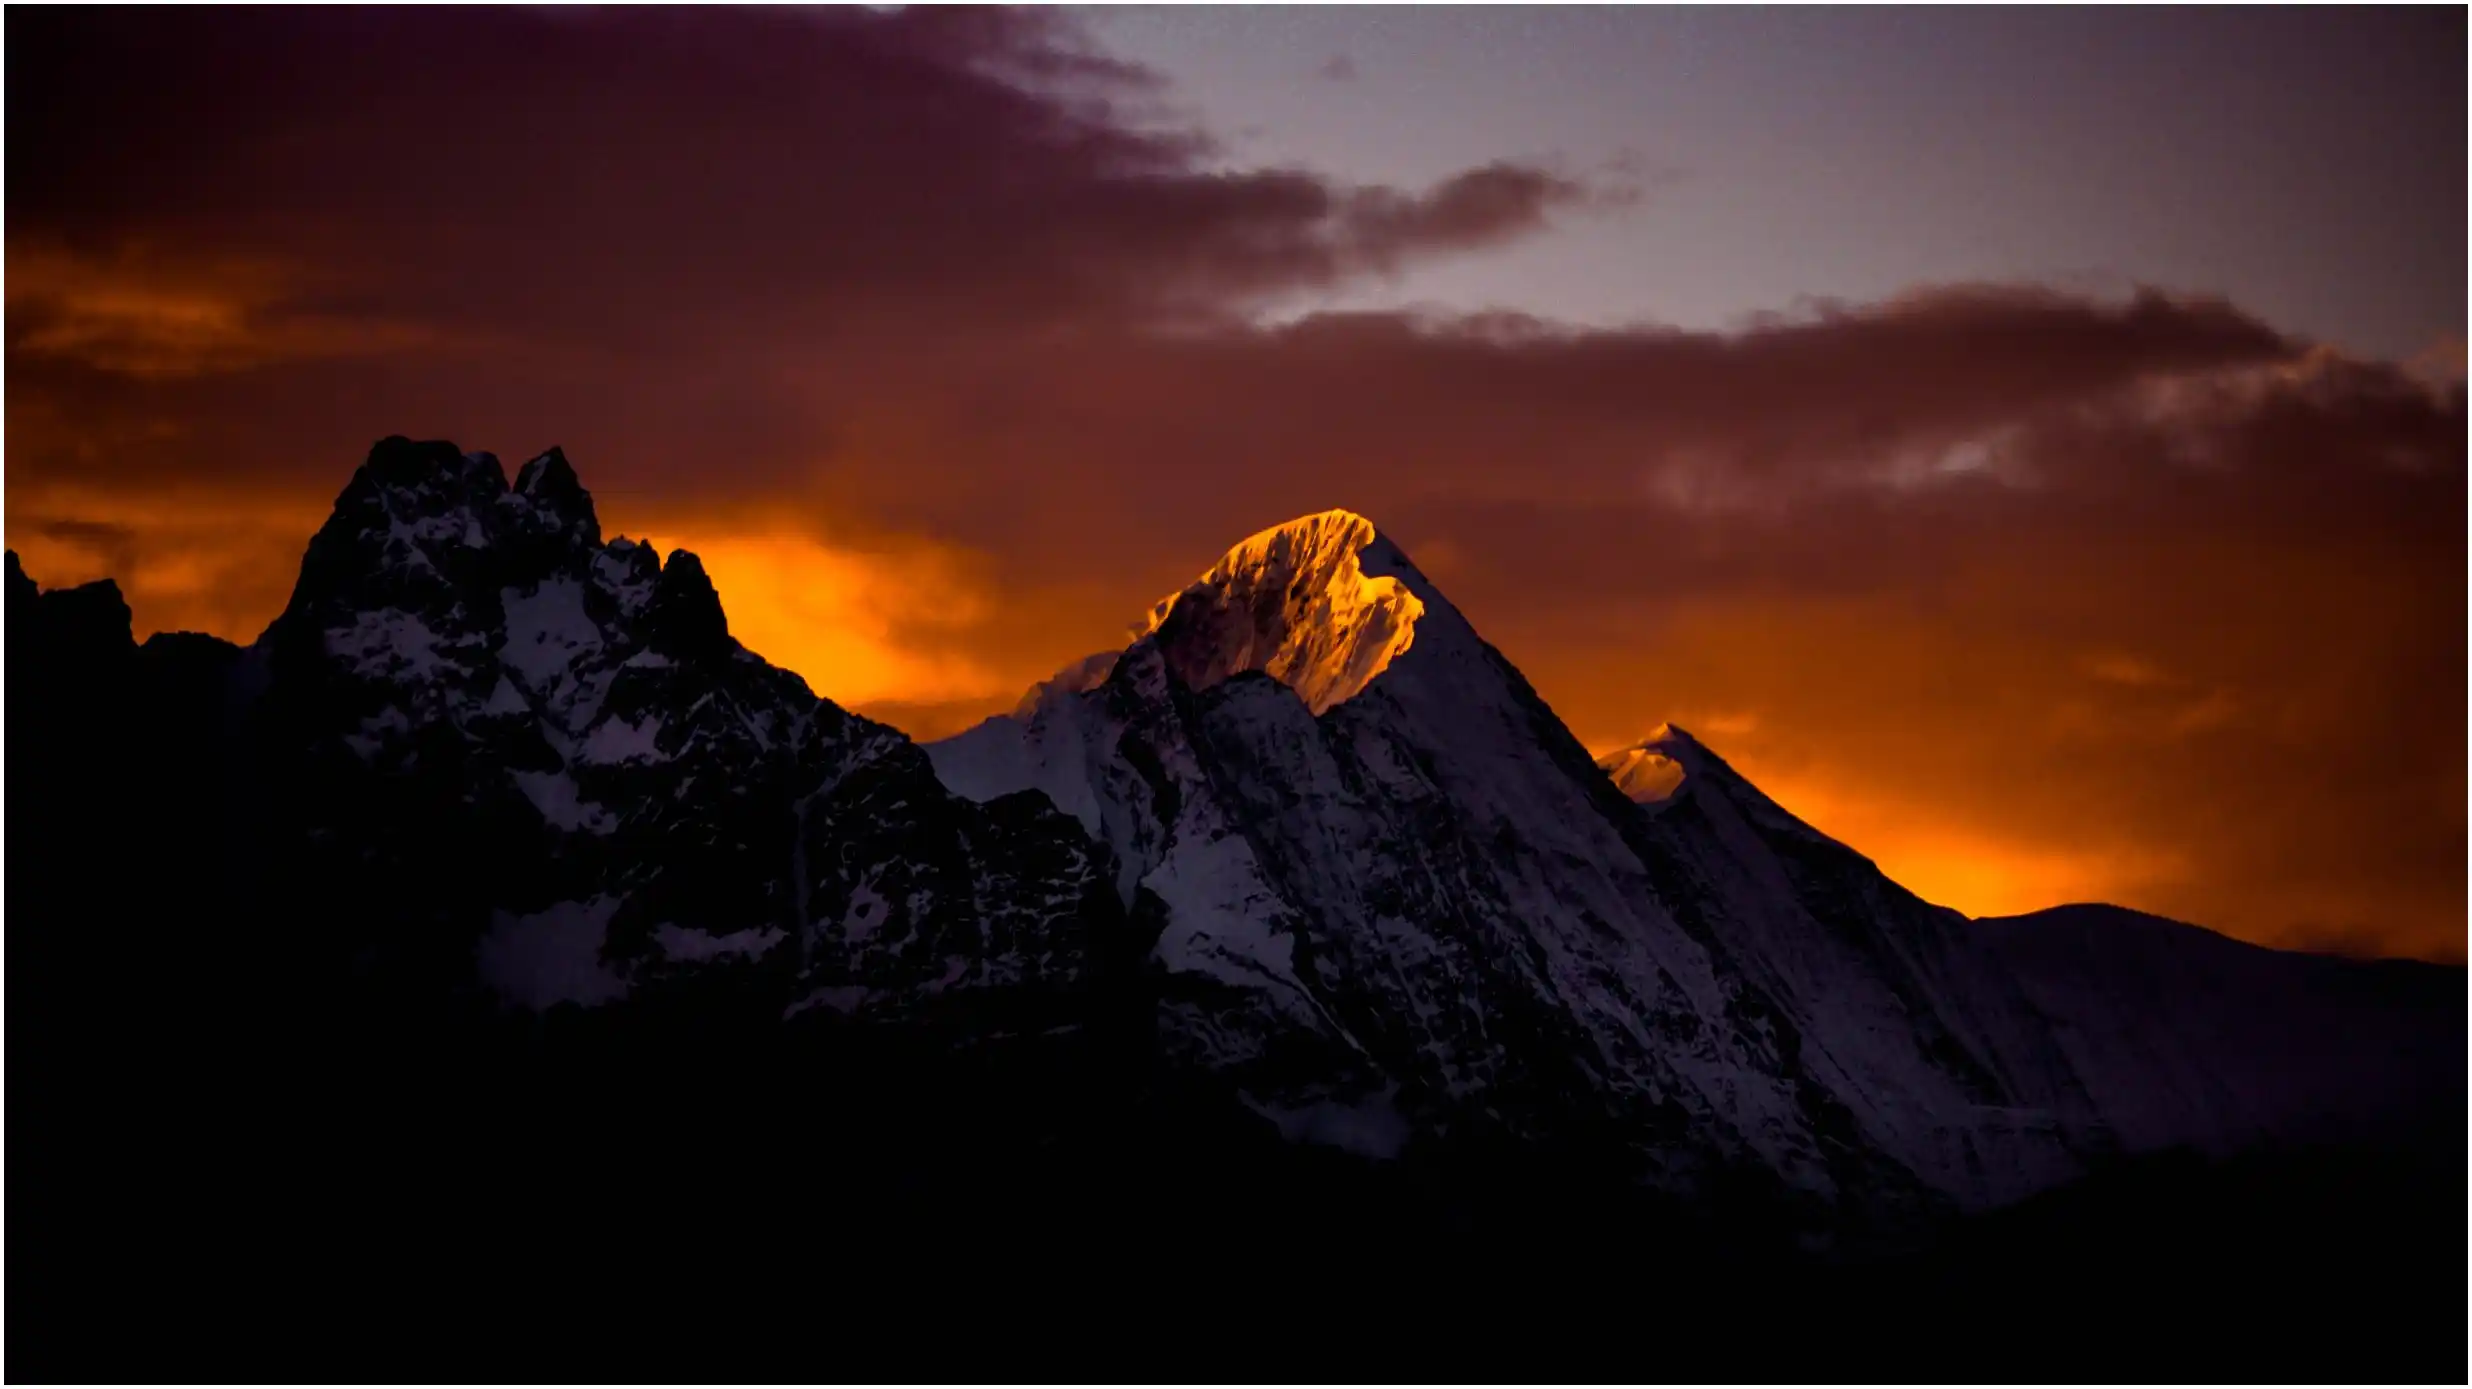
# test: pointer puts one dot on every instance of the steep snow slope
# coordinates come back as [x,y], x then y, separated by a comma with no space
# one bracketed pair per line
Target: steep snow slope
[540,761]
[2133,1033]
[2187,1038]
[1899,1007]
[1389,882]
[1645,772]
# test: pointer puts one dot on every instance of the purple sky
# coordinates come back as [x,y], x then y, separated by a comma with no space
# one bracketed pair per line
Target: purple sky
[2307,164]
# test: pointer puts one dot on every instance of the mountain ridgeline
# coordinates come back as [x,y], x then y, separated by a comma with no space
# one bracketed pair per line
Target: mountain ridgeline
[498,878]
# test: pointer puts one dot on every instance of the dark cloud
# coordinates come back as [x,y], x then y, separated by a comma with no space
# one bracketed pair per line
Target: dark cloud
[1481,207]
[1338,68]
[940,341]
[630,178]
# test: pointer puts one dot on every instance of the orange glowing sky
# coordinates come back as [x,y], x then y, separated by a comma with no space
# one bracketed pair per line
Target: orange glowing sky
[2032,594]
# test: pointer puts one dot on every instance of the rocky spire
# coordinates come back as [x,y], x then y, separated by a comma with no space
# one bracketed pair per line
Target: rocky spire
[557,502]
[685,621]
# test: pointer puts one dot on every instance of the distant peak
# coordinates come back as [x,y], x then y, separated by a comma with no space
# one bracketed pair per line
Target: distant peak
[1652,770]
[434,481]
[556,496]
[91,616]
[422,518]
[397,462]
[685,619]
[548,475]
[104,592]
[1644,774]
[1322,604]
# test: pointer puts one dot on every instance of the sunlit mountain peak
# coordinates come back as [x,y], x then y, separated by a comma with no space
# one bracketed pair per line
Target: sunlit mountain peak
[1322,604]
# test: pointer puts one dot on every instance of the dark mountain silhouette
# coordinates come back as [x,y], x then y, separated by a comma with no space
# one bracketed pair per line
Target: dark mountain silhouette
[497,945]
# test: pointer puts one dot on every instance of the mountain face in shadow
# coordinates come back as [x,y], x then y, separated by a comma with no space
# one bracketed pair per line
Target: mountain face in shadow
[497,896]
[1425,910]
[1396,901]
[2188,1039]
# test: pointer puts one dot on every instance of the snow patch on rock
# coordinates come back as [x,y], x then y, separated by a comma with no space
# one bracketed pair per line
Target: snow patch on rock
[1052,746]
[378,732]
[866,913]
[1371,1126]
[547,630]
[1220,915]
[542,959]
[387,643]
[617,740]
[840,998]
[561,803]
[505,699]
[680,943]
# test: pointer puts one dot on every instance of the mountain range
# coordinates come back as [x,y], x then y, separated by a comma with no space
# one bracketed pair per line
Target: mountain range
[497,879]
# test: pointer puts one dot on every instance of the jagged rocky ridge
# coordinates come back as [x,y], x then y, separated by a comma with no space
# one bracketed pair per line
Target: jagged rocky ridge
[1309,843]
[497,895]
[631,802]
[1396,900]
[495,904]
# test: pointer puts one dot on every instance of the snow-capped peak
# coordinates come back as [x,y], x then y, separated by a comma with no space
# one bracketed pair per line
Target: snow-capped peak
[1657,770]
[1322,604]
[1653,769]
[1643,773]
